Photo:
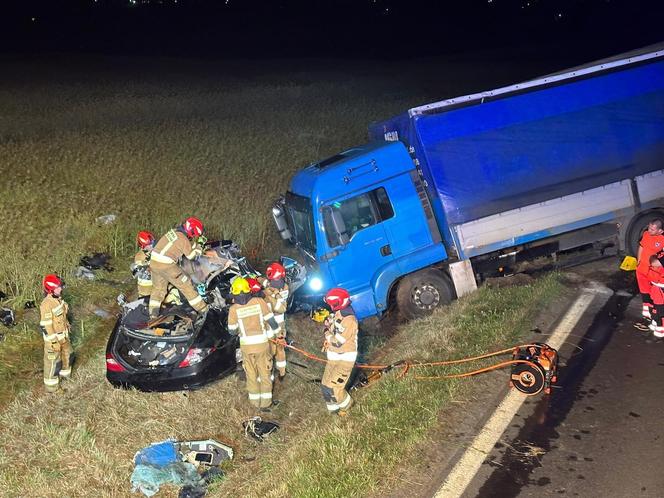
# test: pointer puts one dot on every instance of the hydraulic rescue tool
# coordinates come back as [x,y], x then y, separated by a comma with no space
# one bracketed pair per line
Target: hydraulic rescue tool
[537,368]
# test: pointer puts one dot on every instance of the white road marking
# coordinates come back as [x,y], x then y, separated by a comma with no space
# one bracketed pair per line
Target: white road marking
[464,471]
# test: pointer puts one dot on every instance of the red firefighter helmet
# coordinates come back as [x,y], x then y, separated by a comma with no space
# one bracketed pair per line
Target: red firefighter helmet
[193,227]
[51,282]
[337,298]
[275,271]
[144,239]
[254,285]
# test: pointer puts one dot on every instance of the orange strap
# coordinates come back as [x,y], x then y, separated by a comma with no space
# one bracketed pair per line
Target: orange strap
[478,371]
[407,365]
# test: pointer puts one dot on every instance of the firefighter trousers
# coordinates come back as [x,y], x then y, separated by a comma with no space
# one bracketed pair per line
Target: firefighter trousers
[257,366]
[162,275]
[279,354]
[144,289]
[56,363]
[333,385]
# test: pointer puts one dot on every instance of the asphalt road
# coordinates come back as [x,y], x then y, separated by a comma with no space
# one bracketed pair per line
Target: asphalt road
[601,433]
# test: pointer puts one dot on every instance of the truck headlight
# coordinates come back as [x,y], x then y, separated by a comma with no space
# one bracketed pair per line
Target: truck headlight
[315,284]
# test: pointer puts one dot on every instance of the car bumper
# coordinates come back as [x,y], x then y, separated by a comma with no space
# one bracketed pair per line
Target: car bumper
[212,368]
[306,300]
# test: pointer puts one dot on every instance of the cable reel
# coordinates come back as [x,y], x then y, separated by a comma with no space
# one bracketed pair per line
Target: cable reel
[535,369]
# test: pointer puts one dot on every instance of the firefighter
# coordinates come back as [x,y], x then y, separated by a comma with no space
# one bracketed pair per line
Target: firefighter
[340,344]
[165,268]
[276,295]
[657,292]
[250,317]
[651,243]
[141,266]
[55,329]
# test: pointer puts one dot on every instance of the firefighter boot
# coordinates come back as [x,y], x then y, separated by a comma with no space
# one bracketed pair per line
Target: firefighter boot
[344,412]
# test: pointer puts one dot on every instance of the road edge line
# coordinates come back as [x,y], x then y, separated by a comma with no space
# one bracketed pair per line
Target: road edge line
[471,460]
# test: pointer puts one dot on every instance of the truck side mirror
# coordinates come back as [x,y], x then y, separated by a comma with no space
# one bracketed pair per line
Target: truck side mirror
[280,220]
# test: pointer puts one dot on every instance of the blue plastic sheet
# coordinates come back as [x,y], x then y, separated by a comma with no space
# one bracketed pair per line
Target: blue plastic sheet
[149,478]
[157,454]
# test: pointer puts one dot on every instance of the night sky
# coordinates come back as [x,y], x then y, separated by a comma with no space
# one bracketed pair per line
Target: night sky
[335,28]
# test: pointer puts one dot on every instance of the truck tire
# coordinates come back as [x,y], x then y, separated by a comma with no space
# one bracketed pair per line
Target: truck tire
[637,228]
[420,293]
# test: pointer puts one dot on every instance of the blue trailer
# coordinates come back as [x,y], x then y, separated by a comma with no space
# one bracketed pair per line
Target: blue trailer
[451,192]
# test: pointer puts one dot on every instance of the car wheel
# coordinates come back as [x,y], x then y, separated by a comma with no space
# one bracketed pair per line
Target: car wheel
[422,292]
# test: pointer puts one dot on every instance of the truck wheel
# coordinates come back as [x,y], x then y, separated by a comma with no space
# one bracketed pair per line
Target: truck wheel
[420,293]
[638,226]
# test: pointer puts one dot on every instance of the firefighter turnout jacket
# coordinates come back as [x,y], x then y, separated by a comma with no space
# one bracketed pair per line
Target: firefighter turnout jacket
[251,318]
[165,269]
[57,347]
[141,269]
[341,341]
[277,299]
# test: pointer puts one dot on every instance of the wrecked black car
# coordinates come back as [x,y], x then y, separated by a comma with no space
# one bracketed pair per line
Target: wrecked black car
[180,349]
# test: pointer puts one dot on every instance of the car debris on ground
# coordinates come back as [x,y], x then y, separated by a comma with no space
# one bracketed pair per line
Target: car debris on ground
[178,463]
[97,261]
[7,317]
[106,219]
[258,428]
[83,273]
[102,313]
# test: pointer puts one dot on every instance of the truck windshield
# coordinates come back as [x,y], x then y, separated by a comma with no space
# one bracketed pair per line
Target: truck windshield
[300,216]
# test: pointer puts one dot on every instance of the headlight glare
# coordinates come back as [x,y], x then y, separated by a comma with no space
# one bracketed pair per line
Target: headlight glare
[315,284]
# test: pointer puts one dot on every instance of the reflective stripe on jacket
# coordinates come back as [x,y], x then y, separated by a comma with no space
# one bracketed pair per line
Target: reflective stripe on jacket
[342,338]
[172,246]
[53,317]
[250,320]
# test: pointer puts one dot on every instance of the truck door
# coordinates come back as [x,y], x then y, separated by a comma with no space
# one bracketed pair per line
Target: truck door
[356,238]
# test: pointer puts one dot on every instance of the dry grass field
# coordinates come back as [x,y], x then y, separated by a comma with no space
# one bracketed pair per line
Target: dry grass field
[153,142]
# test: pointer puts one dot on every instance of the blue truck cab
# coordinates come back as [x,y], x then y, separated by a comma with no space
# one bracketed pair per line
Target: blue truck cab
[344,220]
[448,193]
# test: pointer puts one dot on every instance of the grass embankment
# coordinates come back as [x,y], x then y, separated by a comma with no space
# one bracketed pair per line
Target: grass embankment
[154,142]
[84,441]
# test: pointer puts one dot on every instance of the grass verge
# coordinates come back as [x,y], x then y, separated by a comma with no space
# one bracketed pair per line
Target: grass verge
[352,457]
[84,440]
[78,141]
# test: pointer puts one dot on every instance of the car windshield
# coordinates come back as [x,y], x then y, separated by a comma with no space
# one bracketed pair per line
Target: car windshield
[300,217]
